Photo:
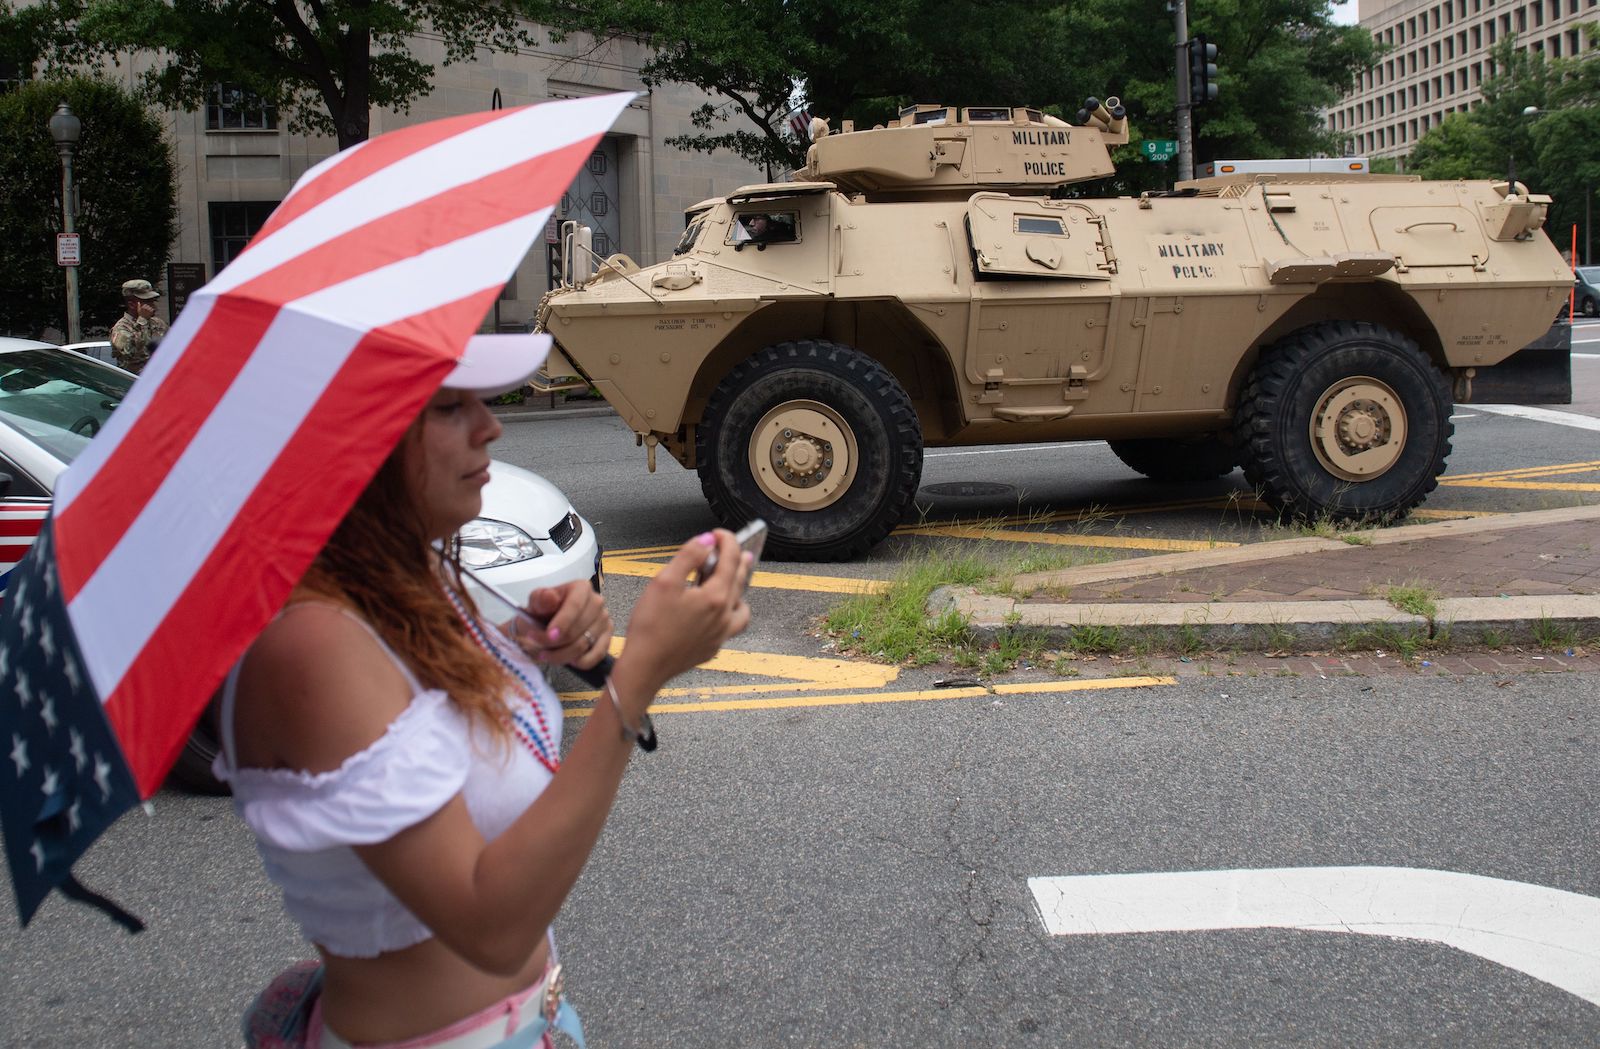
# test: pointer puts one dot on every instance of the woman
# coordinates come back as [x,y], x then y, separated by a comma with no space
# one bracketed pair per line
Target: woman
[399,759]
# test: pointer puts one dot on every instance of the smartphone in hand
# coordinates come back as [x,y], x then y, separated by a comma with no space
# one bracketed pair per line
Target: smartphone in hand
[595,675]
[751,537]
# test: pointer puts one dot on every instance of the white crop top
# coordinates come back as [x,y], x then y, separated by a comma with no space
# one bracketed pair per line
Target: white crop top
[305,823]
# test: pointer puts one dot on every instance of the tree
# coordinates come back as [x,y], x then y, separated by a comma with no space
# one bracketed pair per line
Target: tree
[1458,148]
[843,59]
[1281,61]
[125,176]
[324,63]
[1554,149]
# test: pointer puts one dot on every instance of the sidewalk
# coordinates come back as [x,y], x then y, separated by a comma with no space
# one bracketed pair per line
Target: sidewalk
[1527,578]
[551,406]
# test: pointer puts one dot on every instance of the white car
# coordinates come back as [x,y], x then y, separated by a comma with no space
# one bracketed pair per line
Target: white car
[53,400]
[527,537]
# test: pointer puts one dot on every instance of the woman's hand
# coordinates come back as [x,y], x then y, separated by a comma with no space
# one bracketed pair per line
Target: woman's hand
[577,626]
[677,626]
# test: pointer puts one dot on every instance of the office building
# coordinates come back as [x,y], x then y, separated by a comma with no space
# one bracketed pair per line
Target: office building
[1438,58]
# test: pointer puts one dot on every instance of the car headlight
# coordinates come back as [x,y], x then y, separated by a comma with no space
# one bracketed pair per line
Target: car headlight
[485,543]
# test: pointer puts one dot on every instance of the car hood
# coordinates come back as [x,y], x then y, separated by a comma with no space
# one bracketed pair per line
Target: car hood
[523,498]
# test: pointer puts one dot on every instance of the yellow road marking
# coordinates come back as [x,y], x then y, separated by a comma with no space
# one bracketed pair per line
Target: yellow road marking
[825,584]
[1115,542]
[799,673]
[919,695]
[1531,486]
[1525,471]
[644,551]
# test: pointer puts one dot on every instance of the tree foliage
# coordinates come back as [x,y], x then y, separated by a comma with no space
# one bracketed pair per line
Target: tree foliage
[1555,149]
[125,175]
[1281,61]
[325,63]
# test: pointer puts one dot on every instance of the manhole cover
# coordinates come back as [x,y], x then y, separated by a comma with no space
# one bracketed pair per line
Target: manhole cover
[969,490]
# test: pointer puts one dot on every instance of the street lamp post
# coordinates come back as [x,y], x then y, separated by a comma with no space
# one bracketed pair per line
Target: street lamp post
[1533,112]
[66,129]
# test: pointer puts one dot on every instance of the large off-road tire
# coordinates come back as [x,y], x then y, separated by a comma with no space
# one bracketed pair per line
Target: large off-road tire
[1178,458]
[817,439]
[1344,419]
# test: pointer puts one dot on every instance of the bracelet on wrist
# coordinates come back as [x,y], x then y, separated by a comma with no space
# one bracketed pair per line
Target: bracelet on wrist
[645,734]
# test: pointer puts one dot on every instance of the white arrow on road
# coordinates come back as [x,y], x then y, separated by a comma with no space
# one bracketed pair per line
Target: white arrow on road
[1549,934]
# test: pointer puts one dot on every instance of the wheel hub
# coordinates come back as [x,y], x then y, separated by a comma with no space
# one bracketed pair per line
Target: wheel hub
[803,455]
[1358,429]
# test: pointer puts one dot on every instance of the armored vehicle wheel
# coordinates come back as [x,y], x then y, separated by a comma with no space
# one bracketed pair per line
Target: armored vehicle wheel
[817,439]
[1178,458]
[1344,419]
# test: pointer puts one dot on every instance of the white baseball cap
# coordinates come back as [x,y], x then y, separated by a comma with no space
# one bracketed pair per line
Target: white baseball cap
[496,364]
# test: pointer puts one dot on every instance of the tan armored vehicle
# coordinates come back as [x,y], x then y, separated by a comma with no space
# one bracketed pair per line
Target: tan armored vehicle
[928,284]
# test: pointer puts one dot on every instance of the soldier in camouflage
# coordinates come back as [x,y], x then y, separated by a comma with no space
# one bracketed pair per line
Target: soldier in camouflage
[134,336]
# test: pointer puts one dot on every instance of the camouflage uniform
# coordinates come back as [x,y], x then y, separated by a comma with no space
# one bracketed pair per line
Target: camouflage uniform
[131,339]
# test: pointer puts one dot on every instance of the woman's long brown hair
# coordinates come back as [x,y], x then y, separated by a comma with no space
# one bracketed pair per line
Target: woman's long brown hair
[380,562]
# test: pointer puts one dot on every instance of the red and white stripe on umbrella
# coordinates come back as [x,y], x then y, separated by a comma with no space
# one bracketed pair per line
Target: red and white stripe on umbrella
[286,380]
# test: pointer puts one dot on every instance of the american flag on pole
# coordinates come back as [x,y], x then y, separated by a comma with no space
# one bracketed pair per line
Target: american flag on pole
[179,532]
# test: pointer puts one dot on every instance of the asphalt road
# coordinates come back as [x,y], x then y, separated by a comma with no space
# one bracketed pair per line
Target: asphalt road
[858,873]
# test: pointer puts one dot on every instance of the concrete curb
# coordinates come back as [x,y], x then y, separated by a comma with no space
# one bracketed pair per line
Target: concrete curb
[1560,620]
[1268,625]
[524,415]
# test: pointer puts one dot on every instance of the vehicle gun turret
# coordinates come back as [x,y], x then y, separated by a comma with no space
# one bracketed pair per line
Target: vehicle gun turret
[933,148]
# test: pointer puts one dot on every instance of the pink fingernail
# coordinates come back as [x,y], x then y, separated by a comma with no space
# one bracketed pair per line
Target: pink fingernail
[555,633]
[706,539]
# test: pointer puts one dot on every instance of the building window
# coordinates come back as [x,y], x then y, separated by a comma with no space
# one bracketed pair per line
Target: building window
[232,108]
[12,75]
[233,223]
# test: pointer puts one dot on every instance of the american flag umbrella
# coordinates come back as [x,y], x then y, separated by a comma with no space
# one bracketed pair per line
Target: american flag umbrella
[179,532]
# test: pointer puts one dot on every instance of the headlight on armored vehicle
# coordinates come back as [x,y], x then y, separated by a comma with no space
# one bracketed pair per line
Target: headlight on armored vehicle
[485,543]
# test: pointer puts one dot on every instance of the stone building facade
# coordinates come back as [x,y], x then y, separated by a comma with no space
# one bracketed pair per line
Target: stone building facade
[236,161]
[1438,60]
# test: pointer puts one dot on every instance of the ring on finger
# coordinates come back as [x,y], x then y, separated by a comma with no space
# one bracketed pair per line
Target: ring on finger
[589,638]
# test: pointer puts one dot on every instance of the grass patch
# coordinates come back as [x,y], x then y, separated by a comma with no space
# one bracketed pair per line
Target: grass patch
[1089,639]
[894,625]
[1413,598]
[1550,634]
[1279,637]
[1385,637]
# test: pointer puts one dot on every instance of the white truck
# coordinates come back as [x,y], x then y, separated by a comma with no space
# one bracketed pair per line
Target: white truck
[1291,166]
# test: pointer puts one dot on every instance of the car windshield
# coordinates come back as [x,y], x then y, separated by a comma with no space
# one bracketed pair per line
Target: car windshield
[1590,274]
[58,400]
[690,235]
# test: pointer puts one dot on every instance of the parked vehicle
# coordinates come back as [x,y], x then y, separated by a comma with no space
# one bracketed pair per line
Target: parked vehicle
[1586,290]
[934,283]
[53,400]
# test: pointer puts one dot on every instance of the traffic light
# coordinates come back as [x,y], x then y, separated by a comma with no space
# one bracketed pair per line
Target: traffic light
[1202,70]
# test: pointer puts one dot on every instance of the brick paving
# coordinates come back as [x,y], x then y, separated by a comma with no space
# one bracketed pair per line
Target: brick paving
[1549,560]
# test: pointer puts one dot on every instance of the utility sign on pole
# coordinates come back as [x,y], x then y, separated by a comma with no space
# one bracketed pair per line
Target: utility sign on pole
[1160,149]
[69,249]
